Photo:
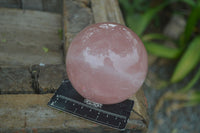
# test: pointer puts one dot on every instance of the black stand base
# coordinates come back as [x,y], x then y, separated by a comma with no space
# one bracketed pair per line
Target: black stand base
[68,100]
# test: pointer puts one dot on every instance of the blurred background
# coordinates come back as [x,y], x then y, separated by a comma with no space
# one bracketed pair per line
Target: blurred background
[170,31]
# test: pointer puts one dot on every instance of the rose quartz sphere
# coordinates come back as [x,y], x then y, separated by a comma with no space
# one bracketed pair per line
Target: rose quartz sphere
[106,63]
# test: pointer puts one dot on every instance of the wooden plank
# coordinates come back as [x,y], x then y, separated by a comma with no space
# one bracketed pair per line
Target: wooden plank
[107,11]
[10,3]
[139,118]
[47,79]
[30,113]
[23,35]
[31,79]
[52,6]
[76,16]
[43,5]
[32,5]
[15,80]
[40,5]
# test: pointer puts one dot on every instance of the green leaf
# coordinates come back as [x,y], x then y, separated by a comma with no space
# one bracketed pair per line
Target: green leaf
[60,33]
[194,99]
[175,130]
[196,96]
[4,40]
[133,6]
[189,2]
[127,6]
[153,36]
[45,49]
[192,82]
[188,61]
[139,22]
[190,25]
[131,21]
[162,51]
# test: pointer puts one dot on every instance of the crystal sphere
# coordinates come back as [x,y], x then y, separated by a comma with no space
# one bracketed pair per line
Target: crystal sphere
[106,63]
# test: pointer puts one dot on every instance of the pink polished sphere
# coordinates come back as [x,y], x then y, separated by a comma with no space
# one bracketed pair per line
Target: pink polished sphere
[106,63]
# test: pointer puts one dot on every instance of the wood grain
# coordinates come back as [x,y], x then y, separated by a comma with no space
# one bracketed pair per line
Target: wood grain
[106,11]
[25,34]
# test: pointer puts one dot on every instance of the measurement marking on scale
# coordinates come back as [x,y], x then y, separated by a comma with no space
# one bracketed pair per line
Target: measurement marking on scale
[77,106]
[119,124]
[52,104]
[85,105]
[97,117]
[57,97]
[75,110]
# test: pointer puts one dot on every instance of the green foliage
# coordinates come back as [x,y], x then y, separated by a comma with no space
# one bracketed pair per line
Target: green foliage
[194,99]
[132,6]
[191,53]
[45,49]
[188,51]
[138,21]
[60,33]
[162,51]
[188,61]
[190,26]
[153,36]
[192,82]
[4,40]
[189,2]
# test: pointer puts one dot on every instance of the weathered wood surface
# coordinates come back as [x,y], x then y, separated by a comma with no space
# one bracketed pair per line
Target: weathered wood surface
[76,16]
[47,79]
[106,11]
[10,3]
[30,113]
[31,79]
[15,81]
[23,35]
[41,5]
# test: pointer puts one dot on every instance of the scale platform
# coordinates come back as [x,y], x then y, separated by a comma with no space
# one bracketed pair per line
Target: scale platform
[67,99]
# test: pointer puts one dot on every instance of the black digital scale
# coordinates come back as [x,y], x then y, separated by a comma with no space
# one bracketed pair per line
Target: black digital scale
[67,99]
